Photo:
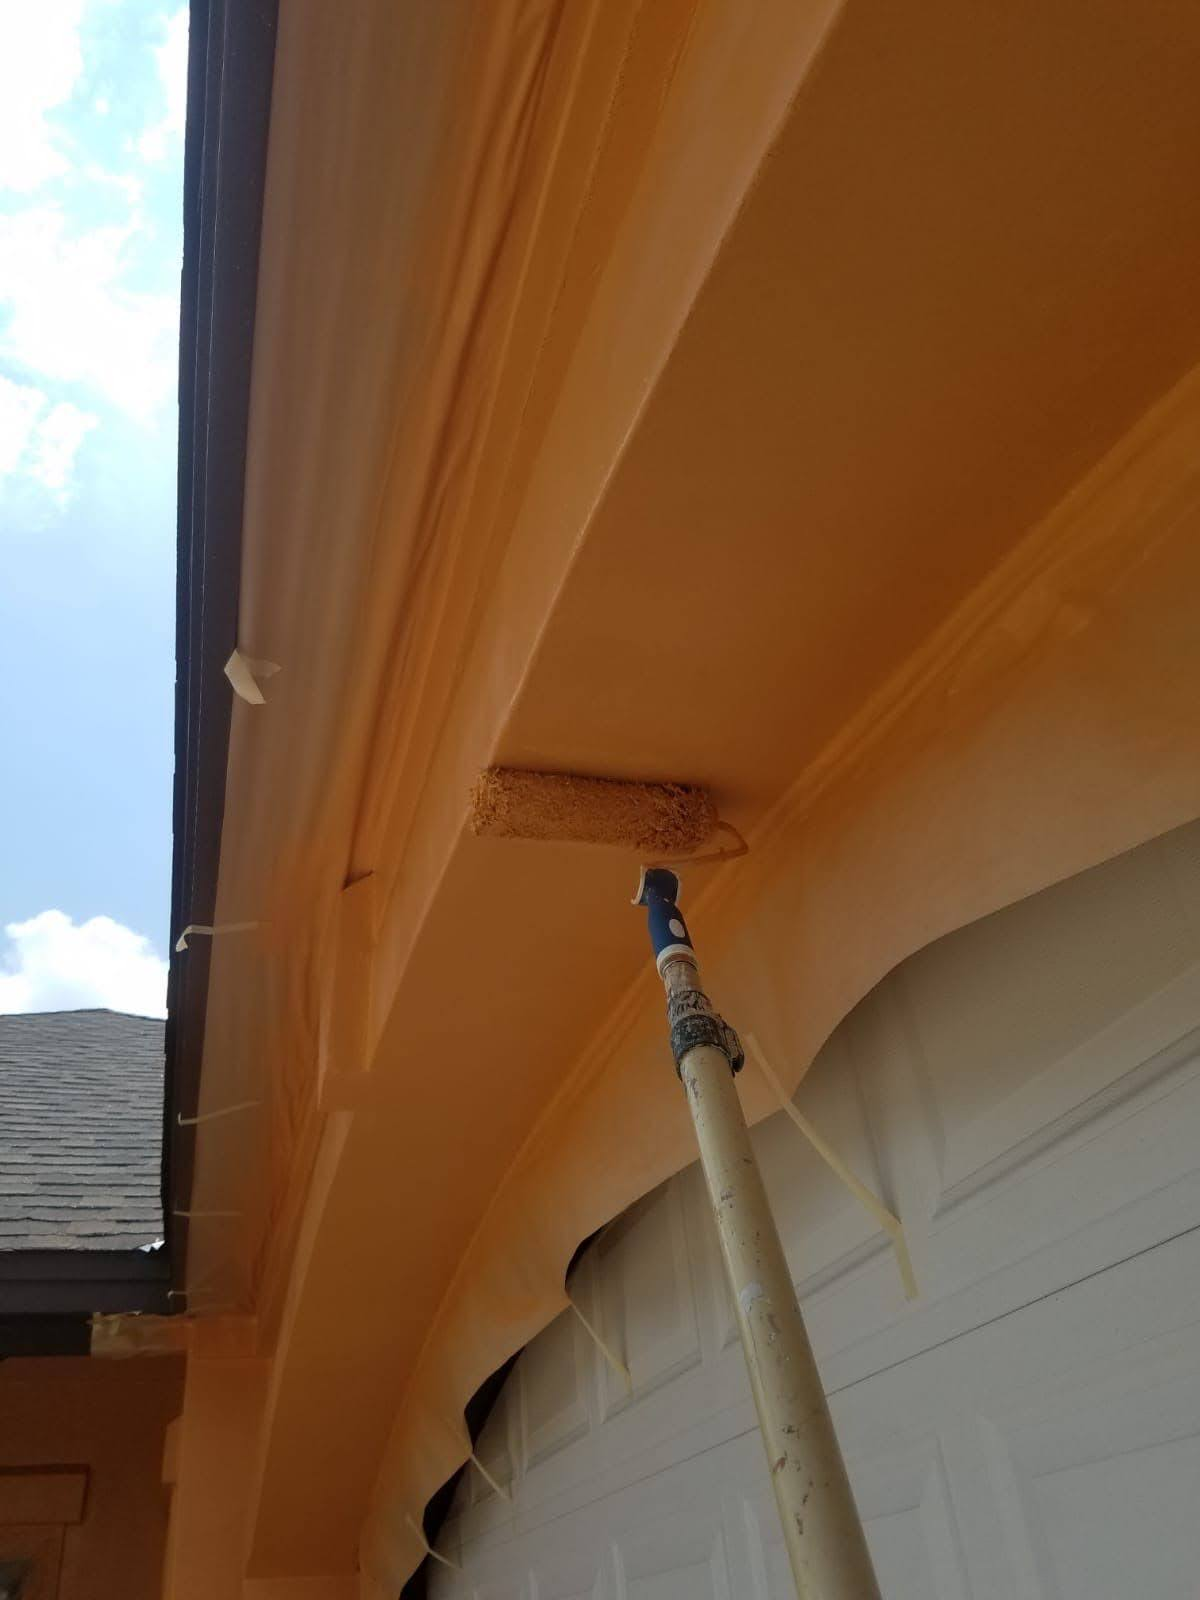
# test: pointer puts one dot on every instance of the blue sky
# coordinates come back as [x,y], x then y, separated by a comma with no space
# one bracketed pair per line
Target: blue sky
[92,99]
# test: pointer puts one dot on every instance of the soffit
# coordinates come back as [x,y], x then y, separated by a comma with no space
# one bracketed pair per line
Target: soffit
[749,474]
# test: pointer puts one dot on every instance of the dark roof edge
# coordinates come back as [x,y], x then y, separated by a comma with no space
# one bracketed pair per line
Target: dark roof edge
[79,1011]
[37,1283]
[67,1335]
[230,63]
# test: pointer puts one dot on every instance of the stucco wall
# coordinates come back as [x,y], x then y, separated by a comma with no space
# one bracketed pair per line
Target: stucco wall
[110,1416]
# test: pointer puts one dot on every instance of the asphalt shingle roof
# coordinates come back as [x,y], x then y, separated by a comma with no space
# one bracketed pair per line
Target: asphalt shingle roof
[81,1097]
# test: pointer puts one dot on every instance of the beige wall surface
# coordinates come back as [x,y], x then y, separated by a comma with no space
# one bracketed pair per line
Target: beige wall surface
[110,1418]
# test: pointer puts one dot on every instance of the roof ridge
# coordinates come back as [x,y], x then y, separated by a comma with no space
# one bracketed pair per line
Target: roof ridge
[81,1011]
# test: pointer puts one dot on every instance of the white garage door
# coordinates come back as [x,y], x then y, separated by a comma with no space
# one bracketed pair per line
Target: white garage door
[1027,1095]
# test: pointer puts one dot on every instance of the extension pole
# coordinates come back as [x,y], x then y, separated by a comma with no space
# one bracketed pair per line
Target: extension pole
[821,1527]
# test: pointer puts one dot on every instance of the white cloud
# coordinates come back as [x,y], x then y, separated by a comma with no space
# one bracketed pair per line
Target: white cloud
[54,964]
[71,319]
[40,63]
[171,58]
[20,406]
[40,440]
[56,440]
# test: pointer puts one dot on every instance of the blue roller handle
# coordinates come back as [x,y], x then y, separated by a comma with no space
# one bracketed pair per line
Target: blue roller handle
[659,892]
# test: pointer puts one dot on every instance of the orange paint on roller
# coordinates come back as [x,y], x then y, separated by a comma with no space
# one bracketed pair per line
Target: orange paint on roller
[653,819]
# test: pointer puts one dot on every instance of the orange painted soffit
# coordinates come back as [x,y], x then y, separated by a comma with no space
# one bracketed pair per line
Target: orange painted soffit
[788,399]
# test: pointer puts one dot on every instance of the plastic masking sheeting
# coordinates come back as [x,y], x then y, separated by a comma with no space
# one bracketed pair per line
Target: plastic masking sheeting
[655,391]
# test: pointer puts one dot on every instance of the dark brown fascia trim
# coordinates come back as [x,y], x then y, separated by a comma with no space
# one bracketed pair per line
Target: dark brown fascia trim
[230,66]
[83,1282]
[45,1336]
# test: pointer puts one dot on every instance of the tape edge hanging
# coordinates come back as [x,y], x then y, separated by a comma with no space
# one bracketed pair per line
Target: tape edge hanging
[885,1218]
[210,930]
[243,673]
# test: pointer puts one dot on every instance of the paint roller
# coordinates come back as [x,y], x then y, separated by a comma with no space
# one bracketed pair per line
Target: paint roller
[669,824]
[660,822]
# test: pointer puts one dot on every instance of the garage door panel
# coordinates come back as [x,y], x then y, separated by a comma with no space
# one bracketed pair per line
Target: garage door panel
[645,1300]
[495,1450]
[499,1591]
[1028,1096]
[1095,1193]
[999,1010]
[674,1557]
[566,1574]
[824,1229]
[911,1528]
[1105,1475]
[1029,1362]
[1181,853]
[718,1320]
[1112,1076]
[552,1377]
[1081,1512]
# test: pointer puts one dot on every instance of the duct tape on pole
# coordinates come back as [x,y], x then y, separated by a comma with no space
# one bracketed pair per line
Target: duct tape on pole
[822,1530]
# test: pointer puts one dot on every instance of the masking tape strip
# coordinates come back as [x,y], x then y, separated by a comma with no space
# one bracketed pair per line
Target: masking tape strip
[204,1294]
[244,672]
[428,1548]
[124,1334]
[212,928]
[203,1285]
[609,1355]
[211,1116]
[204,1298]
[487,1478]
[890,1223]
